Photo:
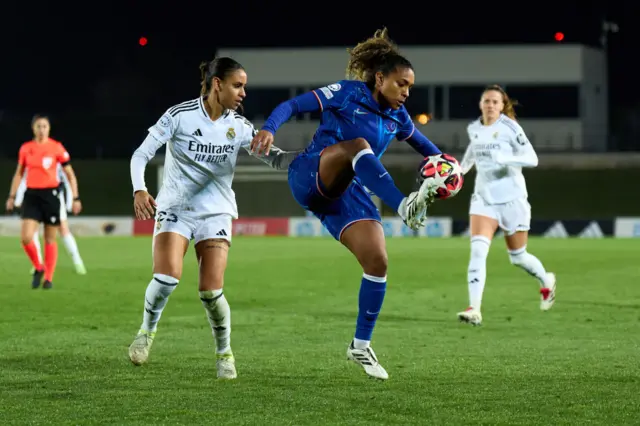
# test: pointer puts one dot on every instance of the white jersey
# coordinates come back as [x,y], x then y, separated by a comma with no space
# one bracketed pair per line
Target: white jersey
[499,152]
[68,195]
[200,159]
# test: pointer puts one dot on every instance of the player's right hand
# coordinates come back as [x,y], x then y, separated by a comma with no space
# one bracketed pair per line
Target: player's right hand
[10,204]
[144,205]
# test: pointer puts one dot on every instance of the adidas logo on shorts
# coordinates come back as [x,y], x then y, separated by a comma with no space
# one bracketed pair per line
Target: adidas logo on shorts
[221,233]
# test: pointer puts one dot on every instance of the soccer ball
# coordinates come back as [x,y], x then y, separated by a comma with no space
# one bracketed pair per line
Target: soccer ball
[445,171]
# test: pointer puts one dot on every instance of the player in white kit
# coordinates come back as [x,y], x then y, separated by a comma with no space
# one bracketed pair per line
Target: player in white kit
[66,202]
[500,149]
[196,202]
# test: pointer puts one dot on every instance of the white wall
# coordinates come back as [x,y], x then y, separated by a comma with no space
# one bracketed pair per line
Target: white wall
[433,65]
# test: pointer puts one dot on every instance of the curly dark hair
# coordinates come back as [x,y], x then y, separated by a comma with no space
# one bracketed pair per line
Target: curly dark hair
[376,54]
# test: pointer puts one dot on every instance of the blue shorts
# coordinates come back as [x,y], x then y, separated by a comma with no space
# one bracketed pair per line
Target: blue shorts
[336,214]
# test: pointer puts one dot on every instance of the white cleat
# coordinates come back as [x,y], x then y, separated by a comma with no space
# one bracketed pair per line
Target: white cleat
[80,269]
[367,359]
[139,349]
[226,366]
[413,209]
[548,292]
[470,316]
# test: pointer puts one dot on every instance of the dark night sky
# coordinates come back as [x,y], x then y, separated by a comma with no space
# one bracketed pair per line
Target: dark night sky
[56,50]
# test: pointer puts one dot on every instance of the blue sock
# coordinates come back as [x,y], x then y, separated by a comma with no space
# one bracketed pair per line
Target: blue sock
[372,290]
[375,177]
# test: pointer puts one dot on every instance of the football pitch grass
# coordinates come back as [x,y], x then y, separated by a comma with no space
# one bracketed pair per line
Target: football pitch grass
[63,352]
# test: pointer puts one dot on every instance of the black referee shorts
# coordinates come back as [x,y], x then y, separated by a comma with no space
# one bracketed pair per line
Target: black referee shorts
[42,205]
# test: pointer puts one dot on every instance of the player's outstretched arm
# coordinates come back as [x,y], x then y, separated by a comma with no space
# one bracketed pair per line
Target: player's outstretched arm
[422,144]
[276,157]
[308,102]
[273,156]
[419,142]
[468,160]
[523,153]
[304,103]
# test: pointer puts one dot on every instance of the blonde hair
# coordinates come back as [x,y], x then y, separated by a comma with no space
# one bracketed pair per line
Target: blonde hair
[509,104]
[377,53]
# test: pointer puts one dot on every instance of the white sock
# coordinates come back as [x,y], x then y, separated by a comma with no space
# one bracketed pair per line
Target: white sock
[477,271]
[155,299]
[361,344]
[219,316]
[72,248]
[529,263]
[36,241]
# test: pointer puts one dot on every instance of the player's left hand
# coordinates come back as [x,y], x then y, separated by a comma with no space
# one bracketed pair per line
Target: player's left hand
[76,207]
[262,142]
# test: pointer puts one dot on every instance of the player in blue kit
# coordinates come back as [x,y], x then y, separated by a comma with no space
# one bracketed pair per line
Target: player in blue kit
[360,118]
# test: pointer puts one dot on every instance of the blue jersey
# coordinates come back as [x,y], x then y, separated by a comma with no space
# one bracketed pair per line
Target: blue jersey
[349,111]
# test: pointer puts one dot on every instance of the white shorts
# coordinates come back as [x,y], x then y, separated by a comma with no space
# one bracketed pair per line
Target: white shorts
[63,207]
[512,217]
[193,225]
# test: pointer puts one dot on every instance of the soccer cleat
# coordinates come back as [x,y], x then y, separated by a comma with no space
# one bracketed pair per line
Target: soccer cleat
[37,278]
[470,316]
[47,285]
[226,366]
[80,269]
[139,349]
[413,209]
[367,359]
[548,293]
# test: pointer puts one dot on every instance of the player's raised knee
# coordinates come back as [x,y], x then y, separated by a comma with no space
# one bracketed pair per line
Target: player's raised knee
[376,264]
[360,144]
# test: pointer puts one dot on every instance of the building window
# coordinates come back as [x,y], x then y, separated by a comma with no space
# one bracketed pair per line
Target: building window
[464,102]
[546,101]
[418,101]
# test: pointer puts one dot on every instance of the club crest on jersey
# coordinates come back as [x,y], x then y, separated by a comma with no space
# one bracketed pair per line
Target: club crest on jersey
[231,134]
[47,162]
[495,135]
[391,126]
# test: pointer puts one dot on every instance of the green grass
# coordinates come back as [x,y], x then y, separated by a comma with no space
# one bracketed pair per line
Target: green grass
[63,353]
